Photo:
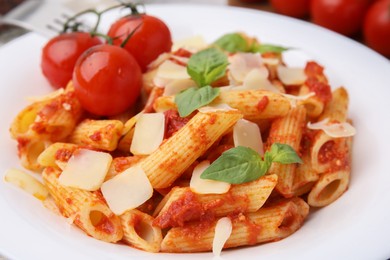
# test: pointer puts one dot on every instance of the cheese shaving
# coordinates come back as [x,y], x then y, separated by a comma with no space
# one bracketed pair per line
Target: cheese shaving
[127,190]
[205,186]
[335,130]
[215,108]
[193,44]
[241,64]
[247,134]
[294,99]
[291,76]
[223,230]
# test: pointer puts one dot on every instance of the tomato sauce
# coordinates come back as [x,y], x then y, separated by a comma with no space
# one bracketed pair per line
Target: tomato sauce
[262,103]
[173,122]
[322,90]
[184,209]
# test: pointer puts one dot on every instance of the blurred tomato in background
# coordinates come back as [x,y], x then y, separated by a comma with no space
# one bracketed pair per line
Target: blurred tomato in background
[342,16]
[293,8]
[376,29]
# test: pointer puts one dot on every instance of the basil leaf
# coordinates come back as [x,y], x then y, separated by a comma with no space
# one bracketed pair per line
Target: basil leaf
[206,66]
[235,166]
[283,153]
[193,98]
[263,48]
[232,42]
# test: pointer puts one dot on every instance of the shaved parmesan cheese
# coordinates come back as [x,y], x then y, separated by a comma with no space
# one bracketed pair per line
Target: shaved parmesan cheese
[215,108]
[183,60]
[223,230]
[177,86]
[241,64]
[166,56]
[148,133]
[51,95]
[205,186]
[247,134]
[291,76]
[169,71]
[192,44]
[258,79]
[294,99]
[127,190]
[335,130]
[160,59]
[27,183]
[271,61]
[86,169]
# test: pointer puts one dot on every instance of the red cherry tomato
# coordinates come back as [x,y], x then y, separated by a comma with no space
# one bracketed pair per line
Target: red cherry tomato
[60,54]
[296,8]
[107,80]
[342,16]
[149,40]
[376,28]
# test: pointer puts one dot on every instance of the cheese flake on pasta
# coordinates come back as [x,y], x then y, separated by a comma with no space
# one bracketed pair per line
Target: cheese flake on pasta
[223,230]
[215,108]
[176,86]
[291,75]
[86,169]
[169,71]
[192,44]
[241,64]
[335,130]
[247,134]
[127,190]
[204,186]
[258,79]
[27,183]
[148,133]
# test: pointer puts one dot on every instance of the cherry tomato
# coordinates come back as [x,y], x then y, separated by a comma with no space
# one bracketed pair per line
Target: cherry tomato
[149,40]
[342,16]
[376,28]
[107,80]
[60,54]
[296,8]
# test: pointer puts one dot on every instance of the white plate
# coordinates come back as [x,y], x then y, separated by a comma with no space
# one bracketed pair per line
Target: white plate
[355,226]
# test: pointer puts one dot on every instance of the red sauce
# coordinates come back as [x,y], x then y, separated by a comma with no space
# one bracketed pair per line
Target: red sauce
[22,143]
[313,69]
[69,201]
[173,122]
[63,155]
[262,103]
[322,90]
[335,153]
[182,53]
[105,225]
[96,136]
[184,209]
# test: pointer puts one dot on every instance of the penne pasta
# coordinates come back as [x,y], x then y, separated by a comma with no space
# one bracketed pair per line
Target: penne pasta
[248,197]
[177,153]
[253,104]
[97,134]
[87,209]
[287,130]
[139,232]
[267,224]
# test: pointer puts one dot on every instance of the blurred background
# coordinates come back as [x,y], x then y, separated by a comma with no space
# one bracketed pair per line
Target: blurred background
[366,21]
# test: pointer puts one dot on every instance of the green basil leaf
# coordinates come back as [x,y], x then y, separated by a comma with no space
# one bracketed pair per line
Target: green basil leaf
[193,98]
[283,153]
[263,48]
[206,66]
[232,42]
[235,166]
